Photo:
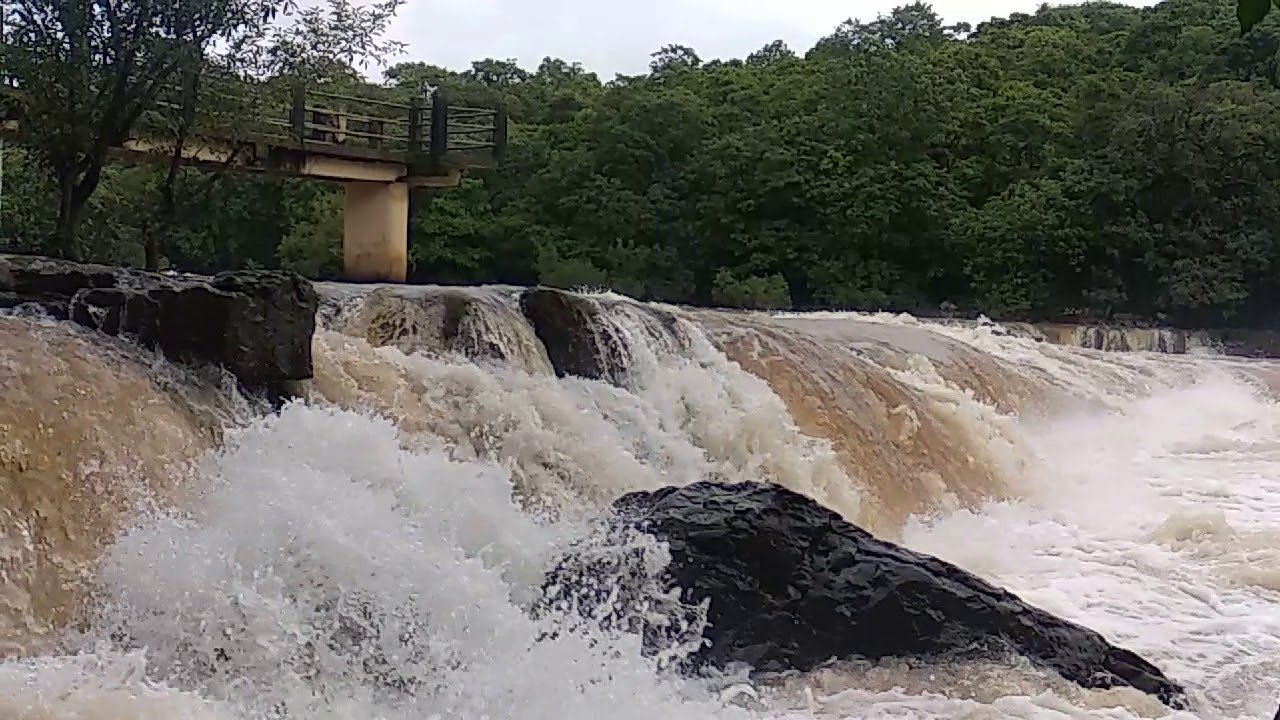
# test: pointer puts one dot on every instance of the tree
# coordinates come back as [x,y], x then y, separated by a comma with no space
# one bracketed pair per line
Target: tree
[325,43]
[914,26]
[673,59]
[196,104]
[497,73]
[86,72]
[773,52]
[334,41]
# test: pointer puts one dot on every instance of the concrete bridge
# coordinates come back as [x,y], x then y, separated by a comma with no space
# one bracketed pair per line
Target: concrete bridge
[376,142]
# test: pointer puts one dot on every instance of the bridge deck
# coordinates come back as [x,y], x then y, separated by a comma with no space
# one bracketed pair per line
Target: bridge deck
[425,133]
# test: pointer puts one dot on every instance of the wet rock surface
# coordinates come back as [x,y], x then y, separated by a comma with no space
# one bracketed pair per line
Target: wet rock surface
[568,326]
[792,585]
[256,324]
[1241,342]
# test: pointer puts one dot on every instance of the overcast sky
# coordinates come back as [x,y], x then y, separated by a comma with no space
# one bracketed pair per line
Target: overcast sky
[616,36]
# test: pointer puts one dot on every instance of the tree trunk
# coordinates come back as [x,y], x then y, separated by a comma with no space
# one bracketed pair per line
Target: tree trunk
[165,227]
[74,189]
[150,248]
[66,245]
[167,217]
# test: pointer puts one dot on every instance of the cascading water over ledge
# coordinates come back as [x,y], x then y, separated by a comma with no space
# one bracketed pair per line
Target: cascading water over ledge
[195,560]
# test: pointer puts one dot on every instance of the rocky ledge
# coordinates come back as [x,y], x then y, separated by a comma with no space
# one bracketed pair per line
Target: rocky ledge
[571,329]
[792,585]
[256,324]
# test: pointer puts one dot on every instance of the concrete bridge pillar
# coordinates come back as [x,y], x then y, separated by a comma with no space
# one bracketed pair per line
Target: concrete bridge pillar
[375,240]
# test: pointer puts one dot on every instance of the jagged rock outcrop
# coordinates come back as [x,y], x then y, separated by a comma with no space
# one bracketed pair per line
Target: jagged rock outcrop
[256,324]
[576,340]
[792,585]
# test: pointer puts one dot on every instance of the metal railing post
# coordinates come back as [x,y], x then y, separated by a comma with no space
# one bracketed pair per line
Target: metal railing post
[500,133]
[298,112]
[415,127]
[439,129]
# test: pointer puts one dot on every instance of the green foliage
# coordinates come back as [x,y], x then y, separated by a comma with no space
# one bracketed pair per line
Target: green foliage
[81,74]
[755,292]
[332,41]
[313,245]
[1094,160]
[28,193]
[569,273]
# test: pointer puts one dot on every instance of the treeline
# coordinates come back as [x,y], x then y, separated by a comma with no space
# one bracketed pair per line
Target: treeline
[1095,160]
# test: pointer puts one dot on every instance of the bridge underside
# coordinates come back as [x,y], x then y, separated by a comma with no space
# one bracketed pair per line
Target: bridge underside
[320,161]
[375,239]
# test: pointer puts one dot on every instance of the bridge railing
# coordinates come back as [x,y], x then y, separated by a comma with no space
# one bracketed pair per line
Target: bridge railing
[426,128]
[424,132]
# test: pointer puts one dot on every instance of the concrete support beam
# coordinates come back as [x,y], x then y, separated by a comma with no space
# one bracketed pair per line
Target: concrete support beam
[375,241]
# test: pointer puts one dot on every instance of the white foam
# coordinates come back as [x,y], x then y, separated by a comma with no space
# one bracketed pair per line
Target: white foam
[1133,530]
[318,507]
[1152,519]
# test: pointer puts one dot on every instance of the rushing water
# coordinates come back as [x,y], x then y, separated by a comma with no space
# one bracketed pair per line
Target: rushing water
[168,551]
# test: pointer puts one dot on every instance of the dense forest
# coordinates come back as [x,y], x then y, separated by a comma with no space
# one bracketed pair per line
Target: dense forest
[1094,160]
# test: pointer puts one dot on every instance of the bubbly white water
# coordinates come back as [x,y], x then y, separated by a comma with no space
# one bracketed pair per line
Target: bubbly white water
[1153,516]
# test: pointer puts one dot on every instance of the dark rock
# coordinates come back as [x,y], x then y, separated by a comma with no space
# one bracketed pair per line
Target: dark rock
[792,585]
[454,308]
[258,325]
[1243,342]
[38,278]
[463,328]
[19,305]
[117,311]
[576,339]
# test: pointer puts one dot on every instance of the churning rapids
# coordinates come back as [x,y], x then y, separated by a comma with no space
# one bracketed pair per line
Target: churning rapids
[166,546]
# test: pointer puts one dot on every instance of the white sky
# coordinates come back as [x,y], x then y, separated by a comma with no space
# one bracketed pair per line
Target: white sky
[616,36]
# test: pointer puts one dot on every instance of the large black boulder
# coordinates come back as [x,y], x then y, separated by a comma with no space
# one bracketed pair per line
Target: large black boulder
[792,585]
[256,324]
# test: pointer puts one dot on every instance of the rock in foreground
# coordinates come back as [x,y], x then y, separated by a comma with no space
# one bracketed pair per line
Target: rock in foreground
[256,324]
[793,585]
